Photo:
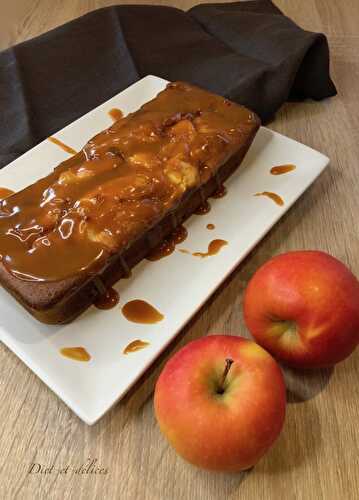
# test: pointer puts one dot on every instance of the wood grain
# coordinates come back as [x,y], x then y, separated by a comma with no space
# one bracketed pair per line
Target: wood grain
[317,454]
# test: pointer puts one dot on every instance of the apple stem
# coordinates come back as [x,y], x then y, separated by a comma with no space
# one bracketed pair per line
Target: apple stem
[224,375]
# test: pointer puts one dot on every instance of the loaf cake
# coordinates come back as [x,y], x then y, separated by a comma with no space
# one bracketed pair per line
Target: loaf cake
[68,237]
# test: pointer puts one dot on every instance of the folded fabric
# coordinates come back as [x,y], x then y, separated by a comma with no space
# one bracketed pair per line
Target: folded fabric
[247,51]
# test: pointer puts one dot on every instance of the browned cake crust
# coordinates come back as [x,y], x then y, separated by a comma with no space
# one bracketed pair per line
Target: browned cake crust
[61,300]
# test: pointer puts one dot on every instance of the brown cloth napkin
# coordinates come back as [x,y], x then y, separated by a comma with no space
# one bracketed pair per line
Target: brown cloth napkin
[247,51]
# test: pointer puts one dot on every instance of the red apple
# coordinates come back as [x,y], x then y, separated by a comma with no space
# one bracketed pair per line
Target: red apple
[303,307]
[220,401]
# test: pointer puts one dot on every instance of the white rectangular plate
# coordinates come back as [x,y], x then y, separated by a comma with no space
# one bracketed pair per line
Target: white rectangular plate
[177,285]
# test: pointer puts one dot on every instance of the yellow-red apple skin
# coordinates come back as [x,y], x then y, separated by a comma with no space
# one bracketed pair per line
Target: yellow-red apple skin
[316,292]
[228,432]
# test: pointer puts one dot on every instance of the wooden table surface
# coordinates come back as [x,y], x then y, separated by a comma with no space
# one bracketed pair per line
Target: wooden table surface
[316,456]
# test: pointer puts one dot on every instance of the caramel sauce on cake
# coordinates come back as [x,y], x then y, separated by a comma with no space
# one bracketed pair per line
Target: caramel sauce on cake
[282,169]
[108,300]
[62,145]
[203,209]
[140,311]
[5,193]
[122,183]
[134,346]
[169,244]
[76,353]
[222,191]
[273,196]
[115,114]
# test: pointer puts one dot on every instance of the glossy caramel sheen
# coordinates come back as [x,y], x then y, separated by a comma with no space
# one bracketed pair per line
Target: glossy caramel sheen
[122,183]
[134,346]
[282,169]
[108,300]
[273,196]
[140,311]
[5,192]
[76,353]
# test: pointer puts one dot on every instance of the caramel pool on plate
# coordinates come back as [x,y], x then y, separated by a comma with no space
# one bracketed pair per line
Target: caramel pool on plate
[62,145]
[140,311]
[213,248]
[75,353]
[134,346]
[282,169]
[273,196]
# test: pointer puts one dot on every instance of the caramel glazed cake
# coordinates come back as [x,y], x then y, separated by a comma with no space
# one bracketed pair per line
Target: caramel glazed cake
[68,237]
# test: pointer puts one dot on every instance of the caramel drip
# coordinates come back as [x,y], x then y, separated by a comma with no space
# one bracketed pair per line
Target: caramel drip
[222,191]
[213,248]
[115,114]
[273,196]
[282,169]
[5,193]
[169,244]
[108,300]
[124,181]
[203,209]
[134,346]
[62,145]
[76,353]
[211,227]
[140,311]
